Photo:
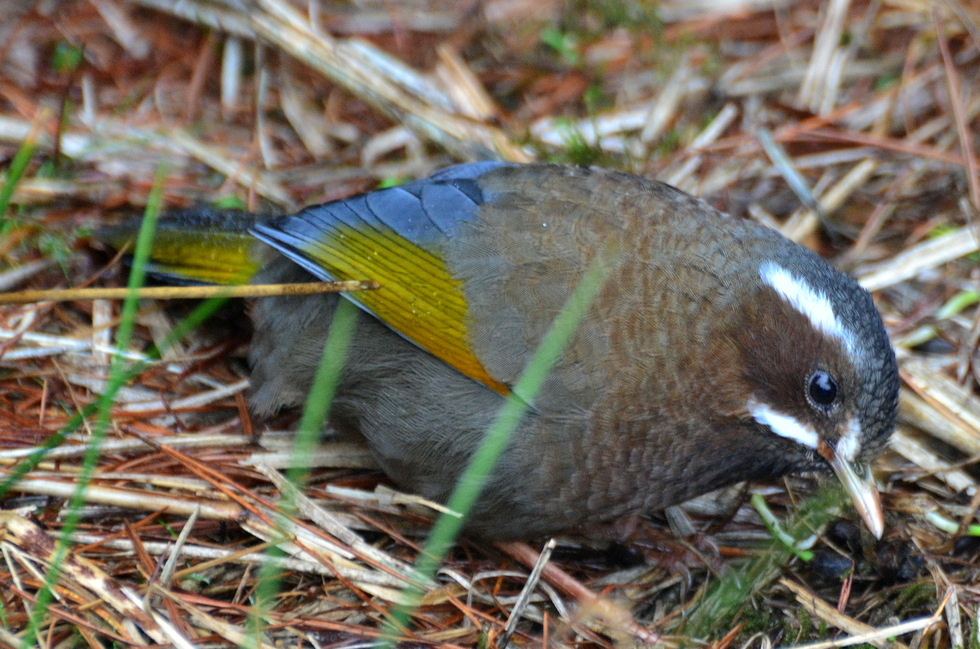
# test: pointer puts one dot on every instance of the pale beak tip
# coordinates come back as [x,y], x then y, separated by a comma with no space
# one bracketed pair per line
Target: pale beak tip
[859,485]
[875,519]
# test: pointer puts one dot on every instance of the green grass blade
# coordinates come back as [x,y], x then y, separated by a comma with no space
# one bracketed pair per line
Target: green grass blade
[473,479]
[315,413]
[733,592]
[117,374]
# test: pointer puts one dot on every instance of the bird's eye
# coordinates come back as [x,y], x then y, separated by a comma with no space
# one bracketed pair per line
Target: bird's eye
[822,389]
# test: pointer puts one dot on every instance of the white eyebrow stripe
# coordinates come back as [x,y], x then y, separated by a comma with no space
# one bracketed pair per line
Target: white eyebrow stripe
[810,302]
[783,425]
[850,440]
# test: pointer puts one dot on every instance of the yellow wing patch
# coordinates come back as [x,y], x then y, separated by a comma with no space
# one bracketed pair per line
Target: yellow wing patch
[418,298]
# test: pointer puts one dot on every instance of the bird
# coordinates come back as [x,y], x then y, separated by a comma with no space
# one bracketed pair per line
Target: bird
[715,352]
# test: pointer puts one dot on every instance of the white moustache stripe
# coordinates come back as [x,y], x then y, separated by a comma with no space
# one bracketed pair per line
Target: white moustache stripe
[808,301]
[783,425]
[850,441]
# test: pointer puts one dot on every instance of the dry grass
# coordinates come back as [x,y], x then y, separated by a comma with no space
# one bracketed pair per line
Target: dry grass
[850,126]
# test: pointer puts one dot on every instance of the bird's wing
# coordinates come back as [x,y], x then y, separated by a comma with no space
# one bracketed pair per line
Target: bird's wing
[397,237]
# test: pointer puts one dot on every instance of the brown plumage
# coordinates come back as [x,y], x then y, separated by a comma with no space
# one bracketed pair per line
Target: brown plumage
[716,352]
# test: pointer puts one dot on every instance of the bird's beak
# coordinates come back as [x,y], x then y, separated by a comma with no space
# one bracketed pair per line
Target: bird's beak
[859,485]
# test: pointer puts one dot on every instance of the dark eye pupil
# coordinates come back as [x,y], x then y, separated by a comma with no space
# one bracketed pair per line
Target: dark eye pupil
[822,388]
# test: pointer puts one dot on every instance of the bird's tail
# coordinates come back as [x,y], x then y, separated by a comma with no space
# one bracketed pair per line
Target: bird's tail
[197,246]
